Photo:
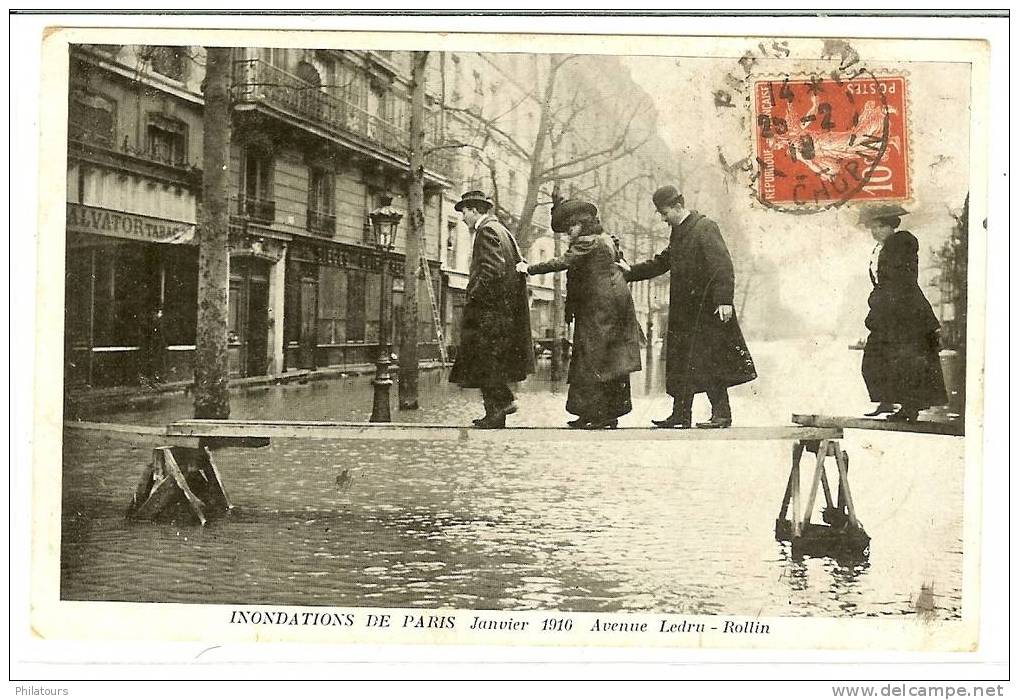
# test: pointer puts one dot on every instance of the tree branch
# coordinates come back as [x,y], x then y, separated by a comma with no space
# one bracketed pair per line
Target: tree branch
[619,190]
[490,124]
[555,171]
[559,175]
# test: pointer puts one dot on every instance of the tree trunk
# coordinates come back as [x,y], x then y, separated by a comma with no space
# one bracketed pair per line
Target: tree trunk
[415,238]
[212,398]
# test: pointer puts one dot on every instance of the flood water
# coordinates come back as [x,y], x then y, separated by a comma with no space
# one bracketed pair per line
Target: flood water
[683,527]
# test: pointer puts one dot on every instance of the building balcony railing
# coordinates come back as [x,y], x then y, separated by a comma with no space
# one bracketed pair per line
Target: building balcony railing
[101,150]
[320,222]
[257,81]
[262,211]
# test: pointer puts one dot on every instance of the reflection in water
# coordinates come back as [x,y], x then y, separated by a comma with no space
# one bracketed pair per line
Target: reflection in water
[682,528]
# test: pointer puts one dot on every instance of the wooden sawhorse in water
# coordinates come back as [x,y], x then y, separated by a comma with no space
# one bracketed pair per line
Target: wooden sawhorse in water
[191,438]
[842,532]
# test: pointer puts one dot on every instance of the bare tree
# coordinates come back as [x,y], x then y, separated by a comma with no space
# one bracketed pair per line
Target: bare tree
[561,111]
[212,398]
[413,267]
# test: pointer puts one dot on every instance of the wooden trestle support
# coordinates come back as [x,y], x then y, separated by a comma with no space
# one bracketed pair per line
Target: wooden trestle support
[842,533]
[179,482]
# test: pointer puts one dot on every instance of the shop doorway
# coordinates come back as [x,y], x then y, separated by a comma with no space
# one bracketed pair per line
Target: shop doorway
[248,337]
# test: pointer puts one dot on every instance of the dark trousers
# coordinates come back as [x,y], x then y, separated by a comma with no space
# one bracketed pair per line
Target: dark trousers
[717,395]
[496,396]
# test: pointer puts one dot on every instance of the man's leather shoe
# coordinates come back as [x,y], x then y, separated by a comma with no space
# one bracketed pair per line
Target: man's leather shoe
[610,424]
[716,423]
[672,422]
[578,422]
[881,409]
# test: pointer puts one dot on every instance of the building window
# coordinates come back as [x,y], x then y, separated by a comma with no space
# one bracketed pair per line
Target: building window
[170,61]
[332,305]
[256,187]
[92,119]
[451,229]
[167,140]
[321,201]
[355,305]
[309,74]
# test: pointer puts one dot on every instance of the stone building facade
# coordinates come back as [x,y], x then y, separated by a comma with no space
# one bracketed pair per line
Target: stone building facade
[318,137]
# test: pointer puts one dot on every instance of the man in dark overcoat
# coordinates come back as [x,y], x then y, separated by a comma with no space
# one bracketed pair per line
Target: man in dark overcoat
[705,350]
[495,337]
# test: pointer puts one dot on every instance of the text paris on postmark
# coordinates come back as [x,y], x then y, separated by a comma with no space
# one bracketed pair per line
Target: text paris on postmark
[820,136]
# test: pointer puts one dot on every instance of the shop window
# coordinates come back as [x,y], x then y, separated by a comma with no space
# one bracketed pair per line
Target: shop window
[124,281]
[180,294]
[332,305]
[78,297]
[170,61]
[355,305]
[322,201]
[92,119]
[371,306]
[256,187]
[167,139]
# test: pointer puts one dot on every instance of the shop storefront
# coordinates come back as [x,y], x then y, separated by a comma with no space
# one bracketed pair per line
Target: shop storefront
[333,292]
[130,297]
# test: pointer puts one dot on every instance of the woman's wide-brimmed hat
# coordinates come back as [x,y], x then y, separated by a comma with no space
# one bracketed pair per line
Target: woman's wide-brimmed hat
[877,212]
[563,212]
[473,198]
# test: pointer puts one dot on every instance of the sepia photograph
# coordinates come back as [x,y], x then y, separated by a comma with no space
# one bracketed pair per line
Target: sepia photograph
[659,341]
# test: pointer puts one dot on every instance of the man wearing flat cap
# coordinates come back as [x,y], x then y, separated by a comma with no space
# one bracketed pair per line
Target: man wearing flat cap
[495,338]
[901,362]
[705,350]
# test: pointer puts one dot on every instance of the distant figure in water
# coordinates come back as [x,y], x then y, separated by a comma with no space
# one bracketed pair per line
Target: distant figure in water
[901,364]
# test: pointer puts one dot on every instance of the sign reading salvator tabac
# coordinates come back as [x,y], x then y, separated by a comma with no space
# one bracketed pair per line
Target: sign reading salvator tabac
[85,219]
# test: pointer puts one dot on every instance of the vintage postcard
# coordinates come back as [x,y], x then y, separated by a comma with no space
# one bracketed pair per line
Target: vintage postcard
[536,340]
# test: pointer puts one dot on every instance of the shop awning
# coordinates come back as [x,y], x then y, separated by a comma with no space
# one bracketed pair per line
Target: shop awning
[119,224]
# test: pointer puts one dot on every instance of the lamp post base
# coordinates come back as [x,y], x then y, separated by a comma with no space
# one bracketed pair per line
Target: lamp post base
[381,383]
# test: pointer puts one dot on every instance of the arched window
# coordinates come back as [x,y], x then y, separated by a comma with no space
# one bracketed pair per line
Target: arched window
[309,98]
[92,119]
[309,74]
[170,61]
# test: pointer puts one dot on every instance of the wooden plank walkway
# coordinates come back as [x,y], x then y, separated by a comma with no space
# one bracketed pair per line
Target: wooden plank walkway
[329,430]
[143,435]
[813,420]
[189,432]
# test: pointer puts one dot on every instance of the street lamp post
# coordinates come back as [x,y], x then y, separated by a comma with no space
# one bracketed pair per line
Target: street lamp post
[384,221]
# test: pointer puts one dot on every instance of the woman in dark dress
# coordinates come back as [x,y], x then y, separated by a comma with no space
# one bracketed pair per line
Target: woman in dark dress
[606,334]
[901,364]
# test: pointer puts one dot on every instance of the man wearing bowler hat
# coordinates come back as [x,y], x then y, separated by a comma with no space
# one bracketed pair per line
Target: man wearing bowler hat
[705,350]
[495,338]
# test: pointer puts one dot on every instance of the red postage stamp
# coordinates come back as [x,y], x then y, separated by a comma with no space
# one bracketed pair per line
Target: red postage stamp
[821,142]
